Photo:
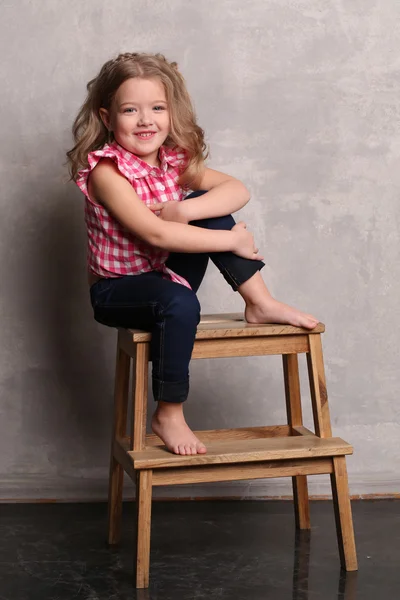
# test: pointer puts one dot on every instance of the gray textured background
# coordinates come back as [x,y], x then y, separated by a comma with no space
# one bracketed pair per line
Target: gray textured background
[300,99]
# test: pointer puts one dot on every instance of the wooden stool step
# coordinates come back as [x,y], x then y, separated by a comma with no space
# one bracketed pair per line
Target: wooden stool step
[230,325]
[242,451]
[240,433]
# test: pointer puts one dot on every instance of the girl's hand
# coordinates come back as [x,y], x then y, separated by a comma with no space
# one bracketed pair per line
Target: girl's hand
[245,246]
[170,211]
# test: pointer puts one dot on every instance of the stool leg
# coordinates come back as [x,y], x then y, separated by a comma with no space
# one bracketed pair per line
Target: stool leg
[119,430]
[143,506]
[319,397]
[295,418]
[343,516]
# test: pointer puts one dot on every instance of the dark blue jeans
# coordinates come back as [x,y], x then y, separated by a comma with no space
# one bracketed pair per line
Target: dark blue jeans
[169,310]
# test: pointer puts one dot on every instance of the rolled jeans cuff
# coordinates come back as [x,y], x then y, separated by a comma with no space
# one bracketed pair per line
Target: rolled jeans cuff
[243,271]
[170,391]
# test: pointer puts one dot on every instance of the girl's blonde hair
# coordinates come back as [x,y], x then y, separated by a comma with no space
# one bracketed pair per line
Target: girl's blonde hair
[91,134]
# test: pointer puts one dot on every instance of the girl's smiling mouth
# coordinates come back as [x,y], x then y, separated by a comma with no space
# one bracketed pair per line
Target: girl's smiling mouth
[145,135]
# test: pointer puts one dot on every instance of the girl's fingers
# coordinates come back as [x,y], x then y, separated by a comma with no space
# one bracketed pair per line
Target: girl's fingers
[159,206]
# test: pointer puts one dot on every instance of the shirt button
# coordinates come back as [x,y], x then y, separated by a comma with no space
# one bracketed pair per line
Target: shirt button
[162,187]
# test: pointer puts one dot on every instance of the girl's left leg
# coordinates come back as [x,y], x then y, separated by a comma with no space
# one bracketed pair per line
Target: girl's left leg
[244,276]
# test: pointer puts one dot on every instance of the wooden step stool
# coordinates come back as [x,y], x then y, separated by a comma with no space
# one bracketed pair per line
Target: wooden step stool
[289,450]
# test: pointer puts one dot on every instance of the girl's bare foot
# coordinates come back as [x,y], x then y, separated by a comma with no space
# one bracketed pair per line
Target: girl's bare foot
[277,312]
[261,307]
[169,424]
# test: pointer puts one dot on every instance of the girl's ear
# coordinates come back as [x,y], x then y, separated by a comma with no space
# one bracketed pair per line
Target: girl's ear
[105,117]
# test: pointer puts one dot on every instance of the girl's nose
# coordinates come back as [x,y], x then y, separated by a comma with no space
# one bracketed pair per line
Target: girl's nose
[145,118]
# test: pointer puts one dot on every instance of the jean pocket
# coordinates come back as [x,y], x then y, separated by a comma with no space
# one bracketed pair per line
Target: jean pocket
[99,290]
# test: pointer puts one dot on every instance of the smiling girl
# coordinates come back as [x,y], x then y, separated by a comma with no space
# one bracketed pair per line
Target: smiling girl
[138,153]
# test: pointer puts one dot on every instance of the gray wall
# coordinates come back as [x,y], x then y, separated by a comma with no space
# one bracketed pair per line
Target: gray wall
[300,100]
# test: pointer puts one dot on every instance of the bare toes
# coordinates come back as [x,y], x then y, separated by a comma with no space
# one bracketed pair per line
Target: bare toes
[312,322]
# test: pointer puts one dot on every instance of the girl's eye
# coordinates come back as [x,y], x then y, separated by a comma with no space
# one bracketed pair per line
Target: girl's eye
[159,108]
[129,110]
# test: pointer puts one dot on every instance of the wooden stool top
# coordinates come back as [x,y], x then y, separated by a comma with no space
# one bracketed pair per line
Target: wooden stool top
[233,325]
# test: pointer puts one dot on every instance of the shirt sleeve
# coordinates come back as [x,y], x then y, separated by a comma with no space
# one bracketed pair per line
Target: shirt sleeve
[93,159]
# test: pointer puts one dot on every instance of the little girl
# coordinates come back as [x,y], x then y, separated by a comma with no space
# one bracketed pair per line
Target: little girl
[137,154]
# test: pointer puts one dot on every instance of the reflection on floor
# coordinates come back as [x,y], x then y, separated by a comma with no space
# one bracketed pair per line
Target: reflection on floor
[200,550]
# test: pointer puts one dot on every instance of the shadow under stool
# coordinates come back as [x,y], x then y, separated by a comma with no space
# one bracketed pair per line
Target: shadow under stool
[289,450]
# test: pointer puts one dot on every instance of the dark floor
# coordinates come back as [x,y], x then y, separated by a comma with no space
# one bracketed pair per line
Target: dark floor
[200,550]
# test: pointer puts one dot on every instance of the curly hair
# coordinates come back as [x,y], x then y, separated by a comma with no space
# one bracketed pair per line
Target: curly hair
[91,134]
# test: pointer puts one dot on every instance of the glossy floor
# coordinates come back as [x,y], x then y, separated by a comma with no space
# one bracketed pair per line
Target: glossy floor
[200,550]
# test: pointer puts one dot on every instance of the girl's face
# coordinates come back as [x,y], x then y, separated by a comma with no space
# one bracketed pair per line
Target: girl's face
[139,117]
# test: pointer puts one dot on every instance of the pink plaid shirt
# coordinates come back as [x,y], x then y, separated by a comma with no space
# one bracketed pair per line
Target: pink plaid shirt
[114,251]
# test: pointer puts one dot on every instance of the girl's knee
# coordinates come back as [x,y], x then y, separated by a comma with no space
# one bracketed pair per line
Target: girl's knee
[183,306]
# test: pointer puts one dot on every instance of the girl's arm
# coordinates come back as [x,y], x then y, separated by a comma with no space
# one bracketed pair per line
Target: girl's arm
[109,188]
[225,195]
